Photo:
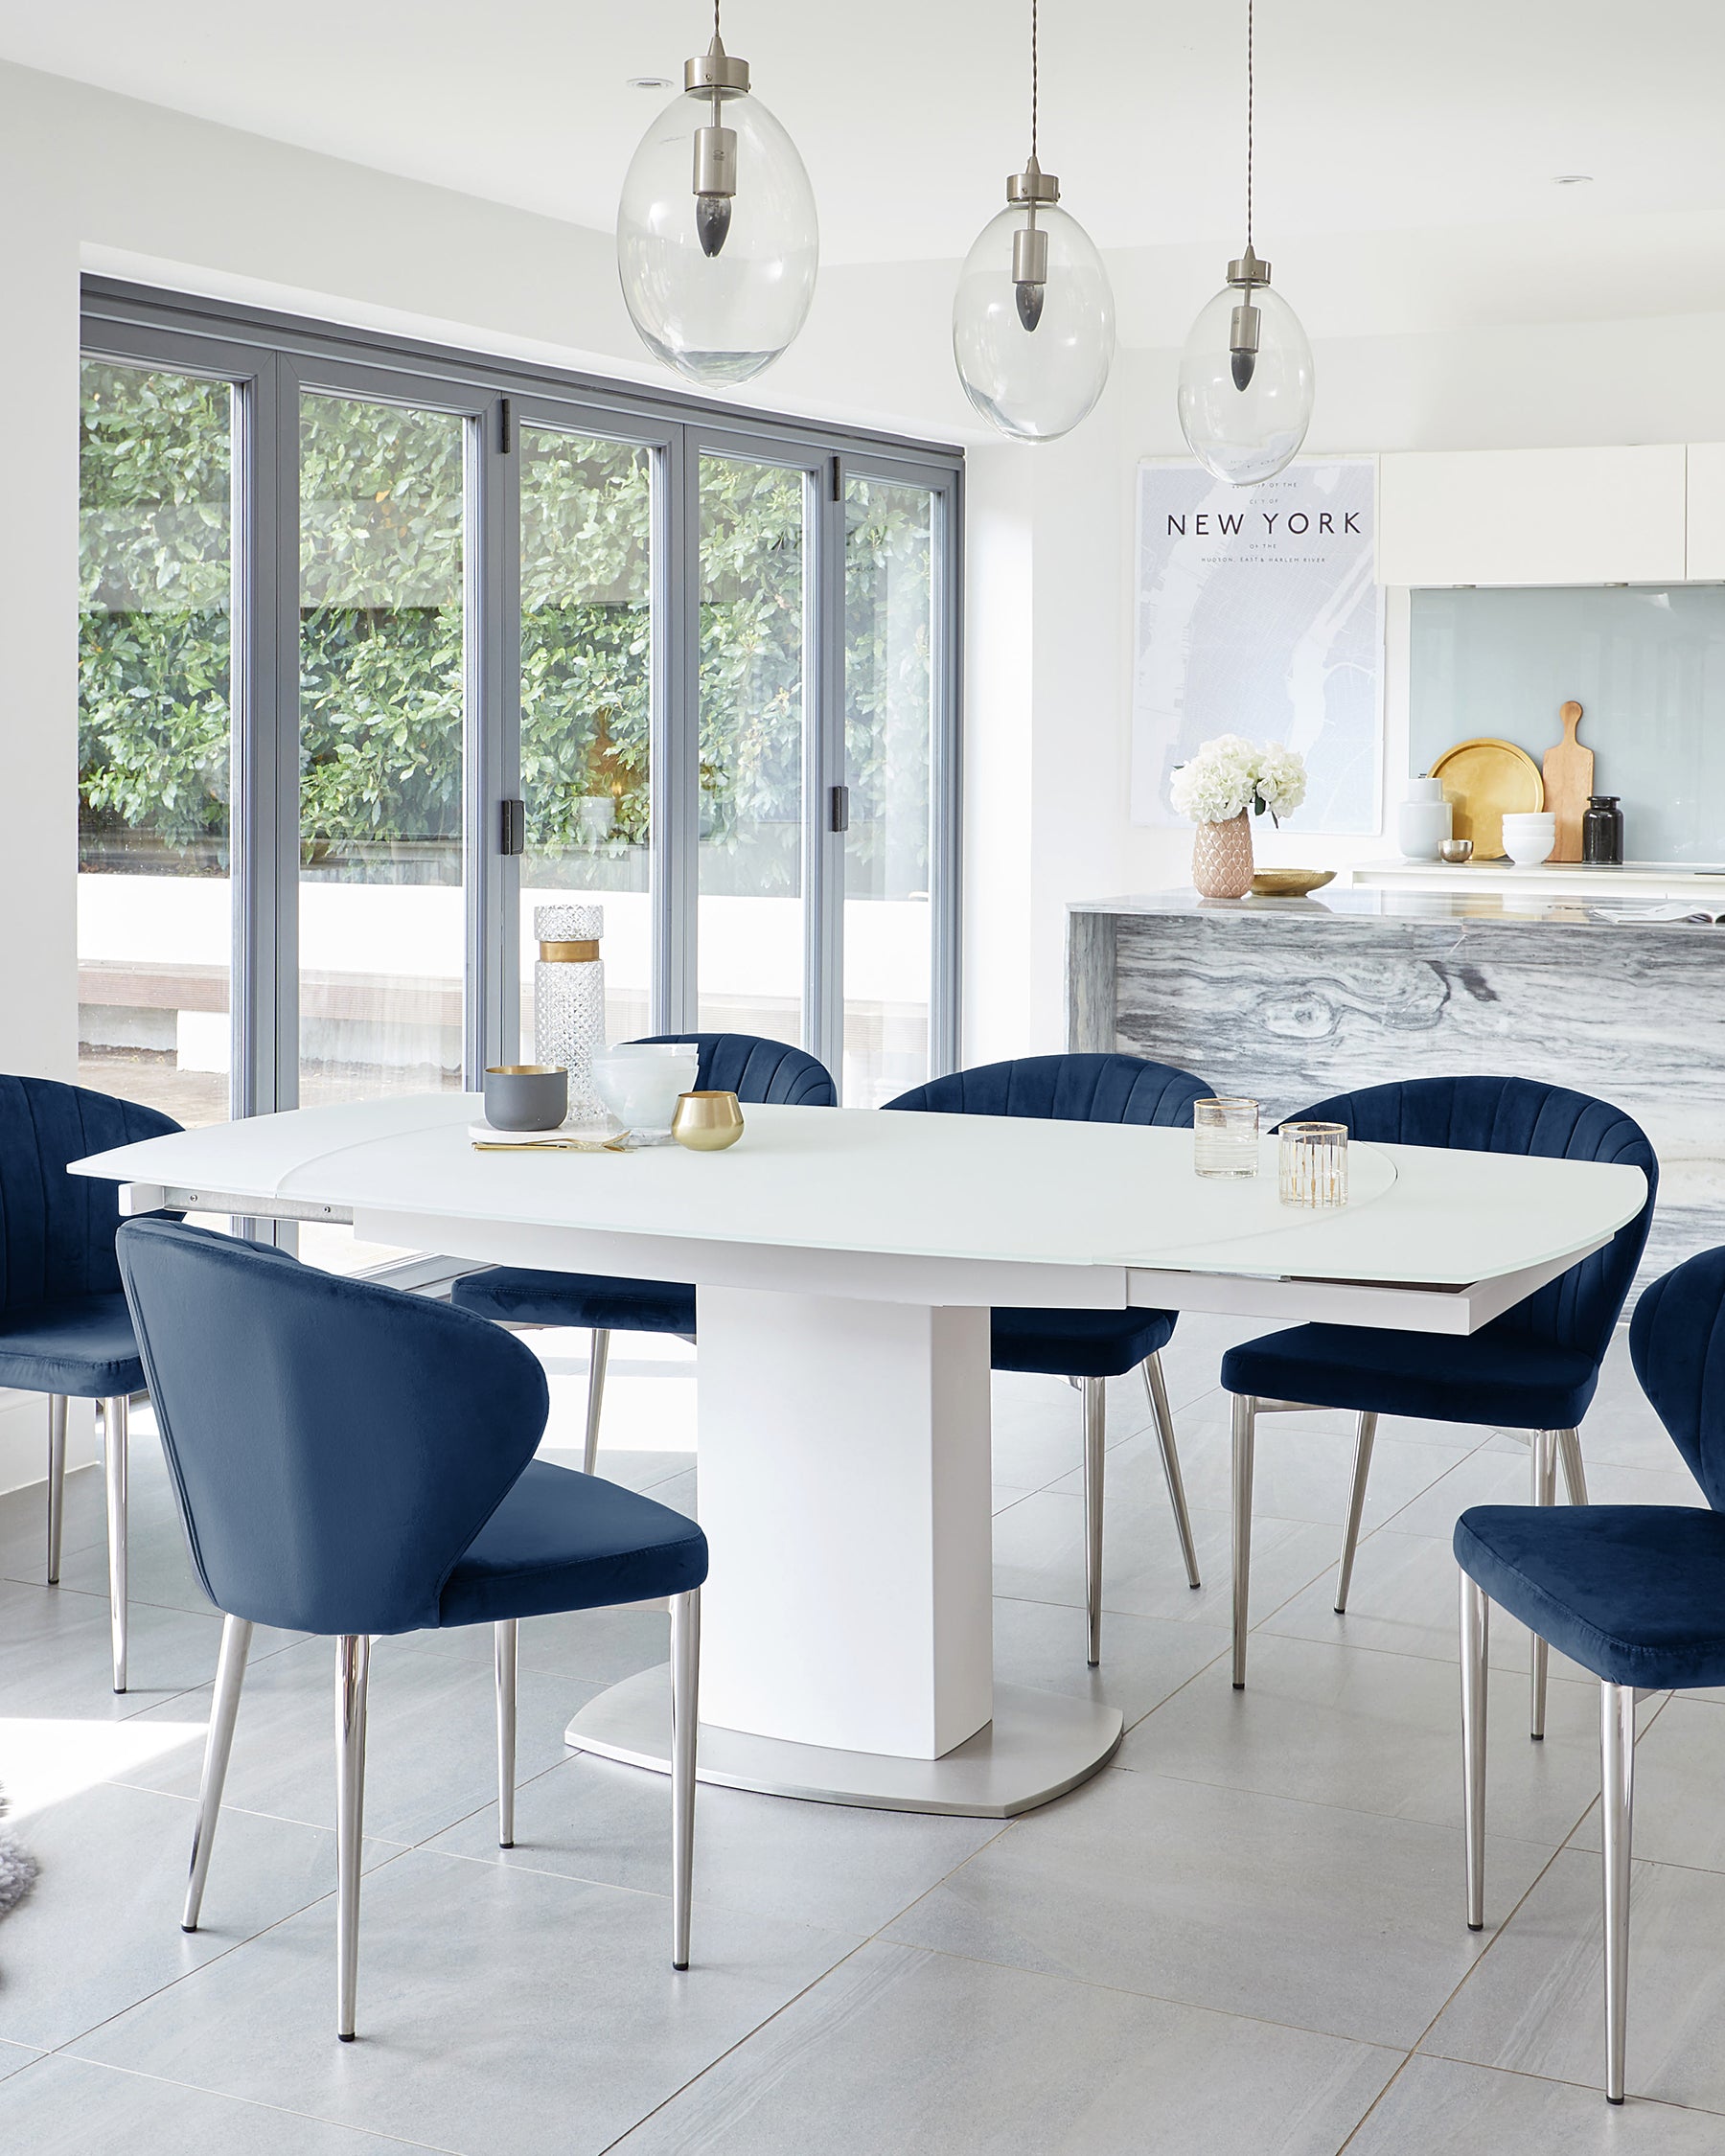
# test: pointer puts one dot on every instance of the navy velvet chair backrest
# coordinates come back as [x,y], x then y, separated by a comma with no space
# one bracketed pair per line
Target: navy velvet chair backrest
[1074,1088]
[57,1231]
[758,1071]
[1677,1344]
[1579,1309]
[334,1446]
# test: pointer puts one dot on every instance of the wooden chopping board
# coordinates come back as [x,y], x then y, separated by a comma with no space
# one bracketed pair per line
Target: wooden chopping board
[1569,779]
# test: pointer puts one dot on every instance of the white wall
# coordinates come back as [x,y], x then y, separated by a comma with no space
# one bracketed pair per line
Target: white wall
[1512,385]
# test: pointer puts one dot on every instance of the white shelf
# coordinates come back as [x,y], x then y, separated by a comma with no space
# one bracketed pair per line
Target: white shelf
[1636,879]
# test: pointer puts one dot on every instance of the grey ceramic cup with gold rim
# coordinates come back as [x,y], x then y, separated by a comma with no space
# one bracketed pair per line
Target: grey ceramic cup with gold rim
[526,1096]
[707,1122]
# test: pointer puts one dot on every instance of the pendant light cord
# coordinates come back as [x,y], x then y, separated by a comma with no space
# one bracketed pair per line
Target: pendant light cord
[1034,83]
[1250,95]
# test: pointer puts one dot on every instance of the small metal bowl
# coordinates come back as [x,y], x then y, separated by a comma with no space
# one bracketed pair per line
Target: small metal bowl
[526,1096]
[1455,851]
[707,1122]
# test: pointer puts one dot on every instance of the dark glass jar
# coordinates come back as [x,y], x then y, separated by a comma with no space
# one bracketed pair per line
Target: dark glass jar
[1602,831]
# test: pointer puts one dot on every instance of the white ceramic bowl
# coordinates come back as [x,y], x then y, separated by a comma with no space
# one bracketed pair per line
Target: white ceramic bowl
[1526,849]
[1532,820]
[639,1082]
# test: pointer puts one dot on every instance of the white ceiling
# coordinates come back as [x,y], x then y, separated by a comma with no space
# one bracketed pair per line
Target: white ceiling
[1375,117]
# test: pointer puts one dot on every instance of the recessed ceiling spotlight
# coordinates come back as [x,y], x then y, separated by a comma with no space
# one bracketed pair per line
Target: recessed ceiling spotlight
[646,82]
[1572,179]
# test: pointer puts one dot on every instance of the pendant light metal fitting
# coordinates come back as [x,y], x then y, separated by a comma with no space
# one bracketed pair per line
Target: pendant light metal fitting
[720,74]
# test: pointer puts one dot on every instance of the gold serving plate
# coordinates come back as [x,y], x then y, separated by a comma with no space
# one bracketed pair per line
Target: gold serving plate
[1484,782]
[1290,882]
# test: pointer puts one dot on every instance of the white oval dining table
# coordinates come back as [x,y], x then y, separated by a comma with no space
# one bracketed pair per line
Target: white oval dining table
[845,1262]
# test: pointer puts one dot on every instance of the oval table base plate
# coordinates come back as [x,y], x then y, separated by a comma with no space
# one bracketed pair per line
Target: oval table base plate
[1038,1745]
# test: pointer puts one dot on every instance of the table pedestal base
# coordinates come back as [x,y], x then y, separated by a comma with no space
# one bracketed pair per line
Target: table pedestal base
[1038,1745]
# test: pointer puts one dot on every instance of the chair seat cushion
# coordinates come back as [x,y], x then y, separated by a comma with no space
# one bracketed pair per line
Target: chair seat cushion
[84,1346]
[1498,1376]
[514,1296]
[1077,1342]
[565,1541]
[1635,1592]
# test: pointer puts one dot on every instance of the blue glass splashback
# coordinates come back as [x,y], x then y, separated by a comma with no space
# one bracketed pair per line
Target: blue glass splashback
[1646,666]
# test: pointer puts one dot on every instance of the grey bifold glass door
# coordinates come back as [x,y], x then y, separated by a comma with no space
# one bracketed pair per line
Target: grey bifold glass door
[384,647]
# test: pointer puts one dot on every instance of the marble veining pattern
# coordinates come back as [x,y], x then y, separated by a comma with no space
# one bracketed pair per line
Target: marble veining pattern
[1294,1005]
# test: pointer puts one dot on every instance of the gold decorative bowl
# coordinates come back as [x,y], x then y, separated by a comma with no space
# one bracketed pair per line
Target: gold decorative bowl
[1290,882]
[706,1122]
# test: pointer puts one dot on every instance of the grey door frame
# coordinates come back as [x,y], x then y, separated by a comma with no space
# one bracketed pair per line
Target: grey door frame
[270,359]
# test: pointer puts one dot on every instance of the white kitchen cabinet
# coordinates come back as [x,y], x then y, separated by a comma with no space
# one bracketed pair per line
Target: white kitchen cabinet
[1707,512]
[1539,516]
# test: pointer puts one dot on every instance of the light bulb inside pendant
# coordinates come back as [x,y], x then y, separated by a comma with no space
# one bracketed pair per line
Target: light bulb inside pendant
[1246,378]
[718,239]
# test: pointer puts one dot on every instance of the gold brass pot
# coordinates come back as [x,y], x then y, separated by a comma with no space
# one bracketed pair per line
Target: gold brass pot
[706,1122]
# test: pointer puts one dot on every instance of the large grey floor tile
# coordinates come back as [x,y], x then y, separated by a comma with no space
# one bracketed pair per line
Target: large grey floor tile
[1302,1468]
[1436,2108]
[57,1654]
[1493,1477]
[1038,1557]
[15,2057]
[900,2050]
[843,1867]
[1331,1725]
[1339,1922]
[1403,1600]
[100,1928]
[1534,2003]
[430,1747]
[68,2107]
[1679,1775]
[1145,1659]
[497,2008]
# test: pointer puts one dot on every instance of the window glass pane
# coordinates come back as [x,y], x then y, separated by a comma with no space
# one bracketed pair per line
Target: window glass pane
[888,737]
[586,703]
[751,957]
[154,917]
[383,933]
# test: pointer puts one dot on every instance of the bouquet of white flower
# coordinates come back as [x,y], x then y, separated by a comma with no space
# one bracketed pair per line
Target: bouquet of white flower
[1231,773]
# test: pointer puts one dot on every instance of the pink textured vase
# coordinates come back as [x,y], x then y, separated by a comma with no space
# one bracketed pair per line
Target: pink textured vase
[1222,857]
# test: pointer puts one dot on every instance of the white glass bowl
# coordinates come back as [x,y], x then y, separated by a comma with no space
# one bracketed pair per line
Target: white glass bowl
[640,1082]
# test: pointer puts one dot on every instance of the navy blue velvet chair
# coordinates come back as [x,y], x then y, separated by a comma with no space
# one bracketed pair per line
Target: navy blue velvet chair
[1088,1346]
[768,1071]
[351,1460]
[64,1325]
[1533,1368]
[1635,1592]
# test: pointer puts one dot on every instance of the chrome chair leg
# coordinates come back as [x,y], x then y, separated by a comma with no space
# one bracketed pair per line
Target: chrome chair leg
[353,1670]
[1617,1790]
[224,1707]
[1096,1453]
[685,1723]
[1545,1491]
[114,1451]
[1574,1474]
[56,1481]
[1363,1441]
[507,1640]
[1245,1418]
[1475,1620]
[1158,1390]
[595,1404]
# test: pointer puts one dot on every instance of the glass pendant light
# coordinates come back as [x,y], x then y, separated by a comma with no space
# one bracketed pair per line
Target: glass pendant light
[1246,381]
[717,236]
[1033,327]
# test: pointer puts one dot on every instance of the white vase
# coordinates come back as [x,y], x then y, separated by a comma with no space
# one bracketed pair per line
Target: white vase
[1425,820]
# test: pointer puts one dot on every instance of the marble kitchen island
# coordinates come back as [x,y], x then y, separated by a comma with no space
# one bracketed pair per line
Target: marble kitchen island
[1289,1000]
